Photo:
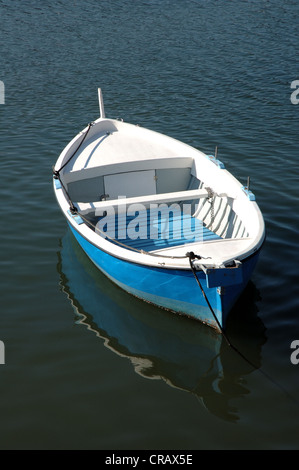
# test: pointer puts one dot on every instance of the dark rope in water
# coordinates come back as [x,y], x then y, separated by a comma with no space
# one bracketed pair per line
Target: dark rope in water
[191,257]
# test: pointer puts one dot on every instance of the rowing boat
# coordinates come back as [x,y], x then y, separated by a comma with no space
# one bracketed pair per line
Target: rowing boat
[161,219]
[162,347]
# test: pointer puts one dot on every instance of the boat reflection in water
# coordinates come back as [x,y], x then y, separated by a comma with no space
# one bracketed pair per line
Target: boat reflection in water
[160,345]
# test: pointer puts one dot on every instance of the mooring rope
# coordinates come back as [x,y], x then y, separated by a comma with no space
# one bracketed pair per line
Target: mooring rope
[191,257]
[56,173]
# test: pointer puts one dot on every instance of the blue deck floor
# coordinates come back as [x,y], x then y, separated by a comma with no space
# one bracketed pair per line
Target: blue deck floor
[149,231]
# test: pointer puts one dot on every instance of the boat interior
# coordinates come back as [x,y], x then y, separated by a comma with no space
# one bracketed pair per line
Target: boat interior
[164,202]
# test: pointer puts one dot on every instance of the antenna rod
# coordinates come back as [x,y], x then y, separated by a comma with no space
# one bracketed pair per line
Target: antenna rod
[101,104]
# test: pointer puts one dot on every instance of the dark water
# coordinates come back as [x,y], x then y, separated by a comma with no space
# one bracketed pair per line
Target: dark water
[86,365]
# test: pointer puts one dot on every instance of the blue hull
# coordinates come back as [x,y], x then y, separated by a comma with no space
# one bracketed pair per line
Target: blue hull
[175,290]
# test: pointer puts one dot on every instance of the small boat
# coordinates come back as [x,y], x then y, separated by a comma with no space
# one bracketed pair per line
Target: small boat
[163,347]
[161,219]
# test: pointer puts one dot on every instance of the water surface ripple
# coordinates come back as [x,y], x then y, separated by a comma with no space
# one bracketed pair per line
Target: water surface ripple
[79,351]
